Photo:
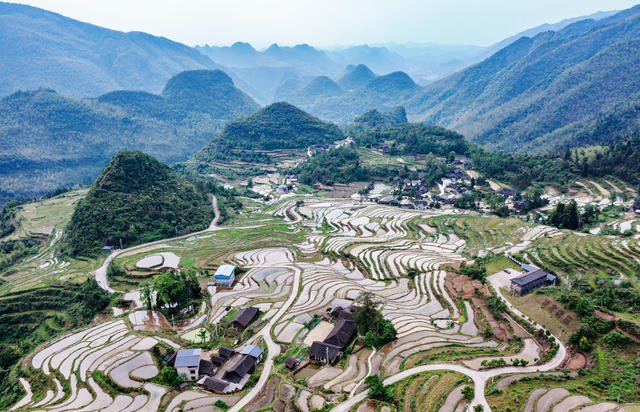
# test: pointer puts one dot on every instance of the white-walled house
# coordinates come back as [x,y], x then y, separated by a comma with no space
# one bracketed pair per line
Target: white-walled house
[188,362]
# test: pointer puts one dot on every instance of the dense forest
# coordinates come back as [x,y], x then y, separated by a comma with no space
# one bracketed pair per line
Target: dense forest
[340,165]
[277,126]
[136,199]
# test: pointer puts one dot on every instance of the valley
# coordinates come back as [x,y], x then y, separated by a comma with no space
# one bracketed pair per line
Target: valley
[382,227]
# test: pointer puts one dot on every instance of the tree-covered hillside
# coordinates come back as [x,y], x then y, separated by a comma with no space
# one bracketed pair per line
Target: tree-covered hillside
[363,91]
[277,126]
[136,199]
[553,91]
[48,140]
[41,48]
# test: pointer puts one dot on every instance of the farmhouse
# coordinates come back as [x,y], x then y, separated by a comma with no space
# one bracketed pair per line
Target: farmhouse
[187,362]
[253,351]
[242,367]
[226,352]
[107,249]
[225,276]
[532,279]
[507,192]
[245,316]
[214,385]
[282,189]
[332,348]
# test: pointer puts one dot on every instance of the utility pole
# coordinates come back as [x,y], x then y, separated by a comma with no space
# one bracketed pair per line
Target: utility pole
[120,243]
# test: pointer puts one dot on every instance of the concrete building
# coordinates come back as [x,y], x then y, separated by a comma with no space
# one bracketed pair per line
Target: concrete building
[187,362]
[225,276]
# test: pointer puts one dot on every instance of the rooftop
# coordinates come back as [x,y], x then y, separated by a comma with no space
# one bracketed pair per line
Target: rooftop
[245,316]
[529,277]
[225,271]
[252,350]
[187,357]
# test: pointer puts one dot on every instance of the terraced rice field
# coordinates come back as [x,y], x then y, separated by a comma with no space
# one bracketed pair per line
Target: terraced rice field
[323,252]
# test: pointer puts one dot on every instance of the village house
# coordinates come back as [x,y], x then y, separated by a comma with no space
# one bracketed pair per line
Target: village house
[533,278]
[187,363]
[107,249]
[235,370]
[332,348]
[245,316]
[282,189]
[389,200]
[455,173]
[225,276]
[507,192]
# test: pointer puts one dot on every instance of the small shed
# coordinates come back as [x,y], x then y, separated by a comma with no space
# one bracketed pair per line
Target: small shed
[107,249]
[291,363]
[225,276]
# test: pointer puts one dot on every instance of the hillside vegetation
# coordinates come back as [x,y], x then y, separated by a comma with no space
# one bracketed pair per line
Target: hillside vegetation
[277,126]
[576,86]
[31,317]
[136,199]
[361,93]
[41,48]
[48,140]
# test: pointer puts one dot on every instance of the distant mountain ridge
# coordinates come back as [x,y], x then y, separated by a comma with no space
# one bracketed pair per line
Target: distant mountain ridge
[547,92]
[48,140]
[39,48]
[363,90]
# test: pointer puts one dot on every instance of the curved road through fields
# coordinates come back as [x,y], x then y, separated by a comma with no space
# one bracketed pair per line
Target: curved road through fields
[273,348]
[101,273]
[479,378]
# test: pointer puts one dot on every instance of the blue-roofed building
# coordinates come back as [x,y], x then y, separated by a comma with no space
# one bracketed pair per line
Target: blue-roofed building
[187,362]
[254,351]
[225,276]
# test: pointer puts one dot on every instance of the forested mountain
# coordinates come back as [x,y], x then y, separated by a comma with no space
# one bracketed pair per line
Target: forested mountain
[362,91]
[48,140]
[137,199]
[277,126]
[39,48]
[374,118]
[548,92]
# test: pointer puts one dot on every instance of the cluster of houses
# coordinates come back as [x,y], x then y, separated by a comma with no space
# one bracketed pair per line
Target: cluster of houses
[533,278]
[232,369]
[332,348]
[319,148]
[290,183]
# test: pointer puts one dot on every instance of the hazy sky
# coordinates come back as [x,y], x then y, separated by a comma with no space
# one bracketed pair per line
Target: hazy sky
[327,22]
